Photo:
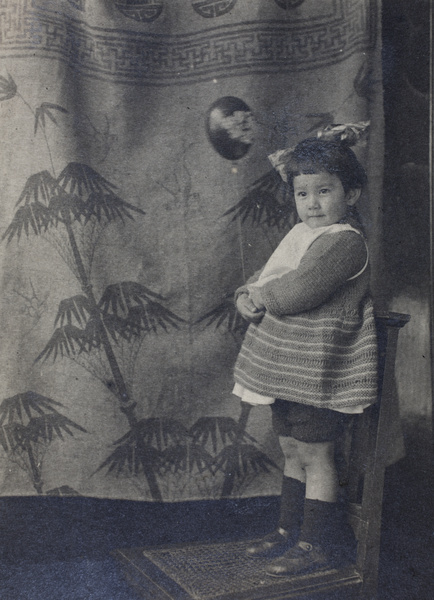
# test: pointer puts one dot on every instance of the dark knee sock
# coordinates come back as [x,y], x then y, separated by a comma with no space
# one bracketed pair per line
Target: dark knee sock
[320,522]
[325,524]
[291,504]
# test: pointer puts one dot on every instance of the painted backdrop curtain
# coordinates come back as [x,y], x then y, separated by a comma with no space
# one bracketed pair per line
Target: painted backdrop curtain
[136,196]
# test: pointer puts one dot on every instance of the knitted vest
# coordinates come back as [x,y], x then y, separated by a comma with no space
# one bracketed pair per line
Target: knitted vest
[316,344]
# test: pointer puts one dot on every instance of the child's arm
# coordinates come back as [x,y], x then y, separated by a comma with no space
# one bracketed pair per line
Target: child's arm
[328,264]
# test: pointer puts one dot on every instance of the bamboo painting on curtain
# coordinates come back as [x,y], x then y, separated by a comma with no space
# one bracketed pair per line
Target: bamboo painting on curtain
[136,197]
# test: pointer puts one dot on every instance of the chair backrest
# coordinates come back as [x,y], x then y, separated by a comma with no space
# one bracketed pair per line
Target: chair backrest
[370,440]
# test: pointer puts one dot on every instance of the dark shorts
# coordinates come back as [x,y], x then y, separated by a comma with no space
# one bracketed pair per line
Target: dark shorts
[307,423]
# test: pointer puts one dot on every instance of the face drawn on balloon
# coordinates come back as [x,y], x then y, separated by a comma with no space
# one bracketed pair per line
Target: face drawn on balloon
[229,126]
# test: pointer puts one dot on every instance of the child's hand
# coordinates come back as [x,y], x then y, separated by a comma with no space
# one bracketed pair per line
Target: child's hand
[248,310]
[255,296]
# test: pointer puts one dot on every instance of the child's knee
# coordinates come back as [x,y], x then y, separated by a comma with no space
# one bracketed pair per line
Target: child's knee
[315,453]
[289,447]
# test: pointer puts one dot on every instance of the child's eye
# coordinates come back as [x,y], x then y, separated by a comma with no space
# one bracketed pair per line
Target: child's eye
[324,191]
[300,194]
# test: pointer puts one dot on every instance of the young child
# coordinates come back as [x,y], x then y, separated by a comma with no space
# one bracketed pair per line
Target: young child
[311,349]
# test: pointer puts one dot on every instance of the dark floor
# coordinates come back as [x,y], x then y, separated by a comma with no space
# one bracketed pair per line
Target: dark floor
[407,548]
[59,548]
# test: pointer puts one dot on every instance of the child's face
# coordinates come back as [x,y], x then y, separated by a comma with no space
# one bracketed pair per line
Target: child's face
[321,200]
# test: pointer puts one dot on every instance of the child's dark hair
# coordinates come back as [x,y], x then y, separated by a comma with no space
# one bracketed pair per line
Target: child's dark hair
[315,155]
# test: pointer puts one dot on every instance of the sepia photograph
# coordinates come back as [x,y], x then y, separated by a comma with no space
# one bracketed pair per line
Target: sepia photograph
[216,340]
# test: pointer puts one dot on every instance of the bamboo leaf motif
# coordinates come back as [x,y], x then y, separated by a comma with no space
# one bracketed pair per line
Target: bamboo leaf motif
[242,459]
[3,440]
[26,403]
[162,432]
[154,430]
[96,195]
[31,217]
[215,428]
[78,308]
[151,317]
[225,315]
[31,418]
[255,459]
[143,448]
[45,110]
[82,180]
[133,306]
[118,298]
[8,88]
[65,208]
[174,458]
[92,334]
[133,459]
[47,426]
[64,490]
[204,429]
[15,436]
[109,206]
[182,457]
[68,340]
[79,192]
[38,188]
[268,201]
[201,459]
[118,328]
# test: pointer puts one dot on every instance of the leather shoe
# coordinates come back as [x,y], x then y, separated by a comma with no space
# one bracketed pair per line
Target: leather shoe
[302,558]
[274,544]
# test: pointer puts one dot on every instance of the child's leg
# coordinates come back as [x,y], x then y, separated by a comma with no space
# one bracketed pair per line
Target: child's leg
[291,506]
[315,463]
[319,466]
[293,487]
[293,466]
[319,518]
[322,522]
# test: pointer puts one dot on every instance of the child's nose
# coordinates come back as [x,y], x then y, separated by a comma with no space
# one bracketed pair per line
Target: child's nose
[313,201]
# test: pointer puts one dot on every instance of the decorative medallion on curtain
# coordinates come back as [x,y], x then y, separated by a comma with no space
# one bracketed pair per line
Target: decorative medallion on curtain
[136,197]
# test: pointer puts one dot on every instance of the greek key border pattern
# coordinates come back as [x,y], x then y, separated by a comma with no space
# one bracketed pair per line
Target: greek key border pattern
[158,59]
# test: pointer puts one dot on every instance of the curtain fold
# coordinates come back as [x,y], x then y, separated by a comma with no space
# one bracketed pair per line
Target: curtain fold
[137,195]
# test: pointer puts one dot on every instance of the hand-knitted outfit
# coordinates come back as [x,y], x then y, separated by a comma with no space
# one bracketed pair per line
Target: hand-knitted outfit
[316,344]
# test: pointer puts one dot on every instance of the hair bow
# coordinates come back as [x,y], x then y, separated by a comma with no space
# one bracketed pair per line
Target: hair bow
[349,133]
[278,160]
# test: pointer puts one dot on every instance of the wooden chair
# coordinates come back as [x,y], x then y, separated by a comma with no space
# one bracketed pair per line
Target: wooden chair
[223,572]
[368,460]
